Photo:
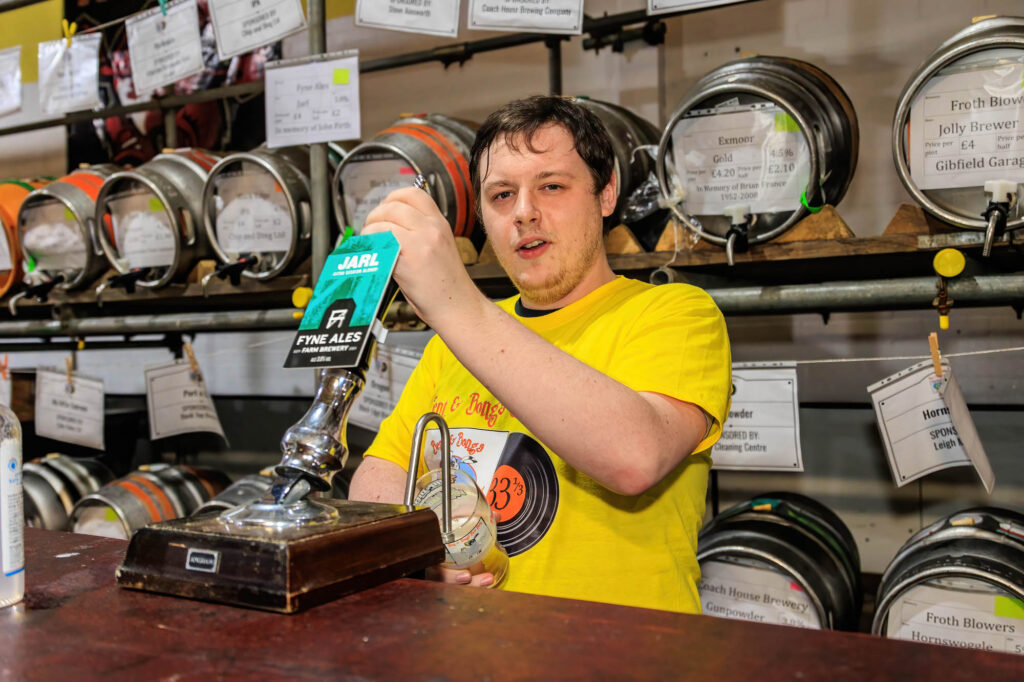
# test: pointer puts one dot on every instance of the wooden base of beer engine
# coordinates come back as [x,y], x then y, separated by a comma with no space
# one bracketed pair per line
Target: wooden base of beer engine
[283,570]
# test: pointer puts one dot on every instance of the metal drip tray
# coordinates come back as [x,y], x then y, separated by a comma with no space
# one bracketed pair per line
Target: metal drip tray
[305,512]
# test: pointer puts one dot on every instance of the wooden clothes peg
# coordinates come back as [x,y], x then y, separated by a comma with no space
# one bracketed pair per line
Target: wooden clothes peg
[69,366]
[933,344]
[193,363]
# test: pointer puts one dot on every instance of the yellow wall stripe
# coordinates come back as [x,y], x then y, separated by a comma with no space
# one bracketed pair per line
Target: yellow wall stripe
[29,26]
[336,8]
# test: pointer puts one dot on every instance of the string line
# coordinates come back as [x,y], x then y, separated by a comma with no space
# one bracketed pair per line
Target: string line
[823,361]
[962,354]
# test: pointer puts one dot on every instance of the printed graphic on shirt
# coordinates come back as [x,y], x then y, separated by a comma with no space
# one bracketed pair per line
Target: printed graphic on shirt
[522,487]
[489,410]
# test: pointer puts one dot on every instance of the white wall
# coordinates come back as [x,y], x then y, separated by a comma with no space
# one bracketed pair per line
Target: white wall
[39,152]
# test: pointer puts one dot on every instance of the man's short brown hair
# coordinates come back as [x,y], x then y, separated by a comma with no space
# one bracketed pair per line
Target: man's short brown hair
[519,120]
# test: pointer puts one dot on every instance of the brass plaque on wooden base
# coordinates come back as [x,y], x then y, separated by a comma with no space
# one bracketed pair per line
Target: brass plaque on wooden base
[284,570]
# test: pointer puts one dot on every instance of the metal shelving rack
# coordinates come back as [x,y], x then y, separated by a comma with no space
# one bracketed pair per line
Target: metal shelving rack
[737,291]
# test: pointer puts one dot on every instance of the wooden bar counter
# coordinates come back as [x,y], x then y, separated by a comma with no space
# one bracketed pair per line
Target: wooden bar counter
[76,624]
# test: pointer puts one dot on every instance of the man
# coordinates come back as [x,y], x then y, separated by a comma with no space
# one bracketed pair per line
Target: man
[586,406]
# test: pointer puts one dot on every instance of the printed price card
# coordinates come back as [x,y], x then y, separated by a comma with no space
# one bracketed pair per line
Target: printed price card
[309,102]
[548,16]
[762,431]
[389,370]
[339,319]
[5,253]
[52,239]
[433,17]
[752,155]
[10,80]
[178,402]
[142,230]
[255,214]
[69,76]
[69,411]
[367,179]
[164,49]
[925,425]
[967,127]
[961,417]
[244,25]
[961,613]
[662,6]
[759,595]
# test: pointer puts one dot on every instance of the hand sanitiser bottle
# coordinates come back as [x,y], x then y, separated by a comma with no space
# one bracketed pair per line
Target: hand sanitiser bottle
[12,513]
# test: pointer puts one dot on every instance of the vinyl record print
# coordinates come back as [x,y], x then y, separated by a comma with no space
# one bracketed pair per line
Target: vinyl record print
[524,492]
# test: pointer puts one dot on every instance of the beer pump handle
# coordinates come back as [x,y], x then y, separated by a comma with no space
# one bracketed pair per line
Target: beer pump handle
[314,448]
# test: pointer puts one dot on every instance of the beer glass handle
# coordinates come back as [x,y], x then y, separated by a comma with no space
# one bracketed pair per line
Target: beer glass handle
[446,467]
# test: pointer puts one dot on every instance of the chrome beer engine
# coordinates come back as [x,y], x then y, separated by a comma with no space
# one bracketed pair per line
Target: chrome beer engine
[294,548]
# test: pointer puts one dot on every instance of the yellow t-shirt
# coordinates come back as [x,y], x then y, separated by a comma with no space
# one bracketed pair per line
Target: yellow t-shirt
[567,535]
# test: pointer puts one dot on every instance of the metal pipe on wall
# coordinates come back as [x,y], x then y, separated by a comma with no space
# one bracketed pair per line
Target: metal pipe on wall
[171,128]
[554,46]
[247,320]
[15,4]
[877,294]
[911,292]
[172,101]
[319,189]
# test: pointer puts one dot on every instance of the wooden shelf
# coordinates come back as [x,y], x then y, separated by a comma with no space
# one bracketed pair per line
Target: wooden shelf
[819,249]
[176,297]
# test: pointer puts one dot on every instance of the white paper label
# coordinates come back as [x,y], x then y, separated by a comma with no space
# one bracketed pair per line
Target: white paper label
[69,77]
[73,412]
[5,252]
[752,156]
[917,430]
[178,402]
[164,49]
[143,233]
[313,101]
[433,17]
[390,369]
[255,215]
[967,128]
[244,25]
[102,521]
[5,386]
[961,416]
[760,595]
[367,179]
[12,526]
[10,80]
[762,431]
[971,619]
[53,239]
[662,6]
[539,16]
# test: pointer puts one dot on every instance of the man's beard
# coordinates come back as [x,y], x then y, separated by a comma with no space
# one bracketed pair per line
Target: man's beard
[559,284]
